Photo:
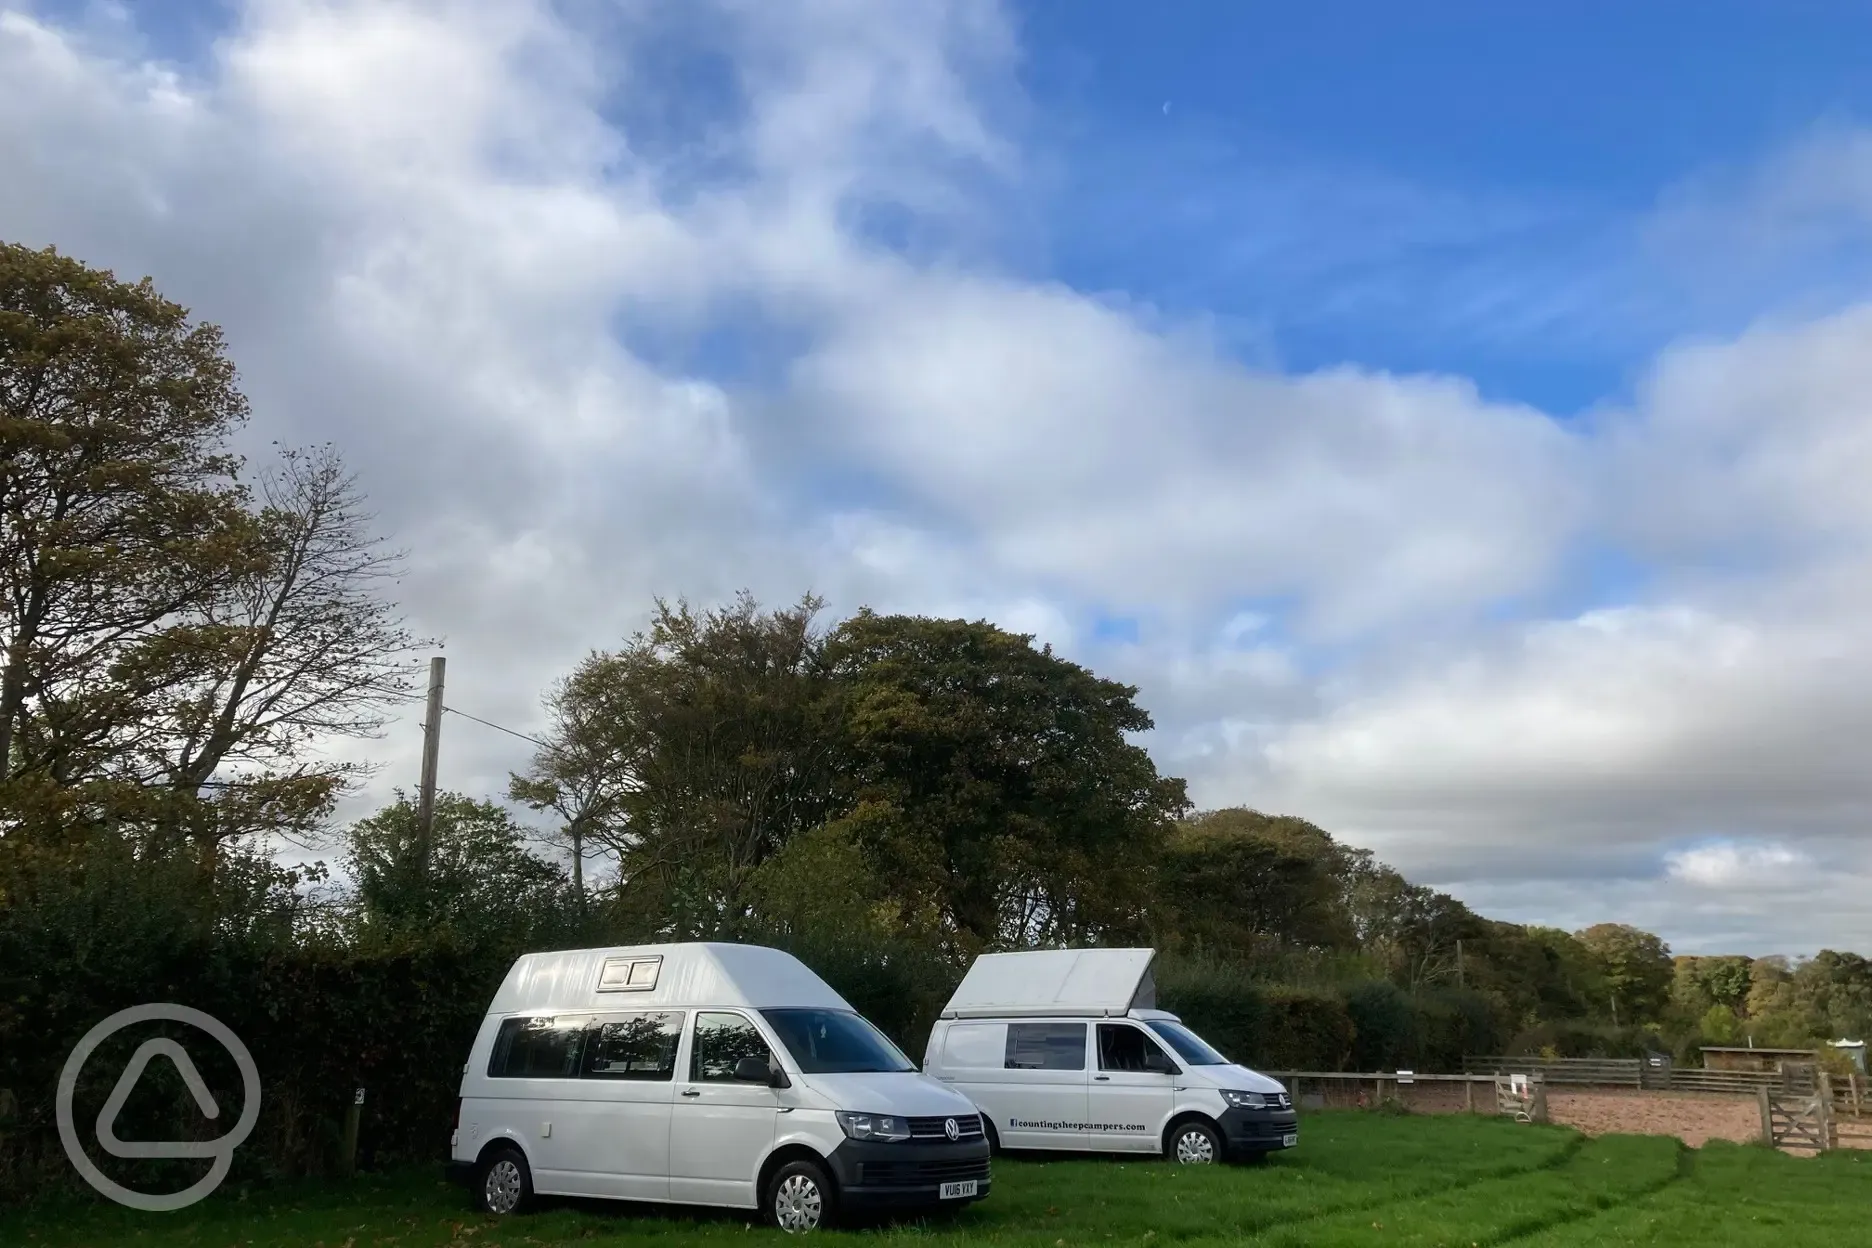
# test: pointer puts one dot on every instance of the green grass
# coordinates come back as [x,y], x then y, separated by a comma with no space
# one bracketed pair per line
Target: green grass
[1357,1179]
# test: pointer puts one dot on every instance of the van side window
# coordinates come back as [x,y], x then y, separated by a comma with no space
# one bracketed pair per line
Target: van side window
[1046,1046]
[721,1040]
[633,1046]
[1126,1048]
[540,1047]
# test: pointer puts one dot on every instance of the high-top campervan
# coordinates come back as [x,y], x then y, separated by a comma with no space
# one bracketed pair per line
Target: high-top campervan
[1064,1049]
[707,1074]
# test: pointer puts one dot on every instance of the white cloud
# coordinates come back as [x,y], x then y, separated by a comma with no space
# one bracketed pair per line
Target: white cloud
[446,235]
[1731,866]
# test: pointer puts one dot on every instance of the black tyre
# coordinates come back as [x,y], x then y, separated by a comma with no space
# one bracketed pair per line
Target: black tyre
[993,1137]
[1193,1143]
[800,1198]
[504,1183]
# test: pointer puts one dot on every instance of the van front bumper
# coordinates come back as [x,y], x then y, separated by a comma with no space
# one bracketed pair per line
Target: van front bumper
[907,1175]
[1258,1130]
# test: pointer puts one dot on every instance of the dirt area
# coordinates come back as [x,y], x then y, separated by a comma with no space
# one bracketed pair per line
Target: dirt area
[1695,1118]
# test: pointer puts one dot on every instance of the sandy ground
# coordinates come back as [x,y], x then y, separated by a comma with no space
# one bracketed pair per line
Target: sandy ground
[1695,1118]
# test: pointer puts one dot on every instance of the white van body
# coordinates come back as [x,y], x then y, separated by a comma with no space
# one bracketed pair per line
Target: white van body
[1064,1049]
[620,1073]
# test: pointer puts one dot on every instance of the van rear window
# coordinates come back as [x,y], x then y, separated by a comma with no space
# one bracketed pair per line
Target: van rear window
[540,1047]
[1046,1046]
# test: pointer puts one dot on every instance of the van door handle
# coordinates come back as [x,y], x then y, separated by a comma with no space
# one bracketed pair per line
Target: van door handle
[1101,1078]
[692,1092]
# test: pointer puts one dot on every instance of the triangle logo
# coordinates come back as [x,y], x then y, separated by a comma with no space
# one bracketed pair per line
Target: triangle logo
[126,1083]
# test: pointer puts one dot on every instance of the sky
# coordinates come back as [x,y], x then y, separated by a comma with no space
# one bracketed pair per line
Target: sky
[1454,419]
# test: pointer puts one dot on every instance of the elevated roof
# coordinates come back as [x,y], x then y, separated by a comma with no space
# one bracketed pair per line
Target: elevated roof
[1055,982]
[672,977]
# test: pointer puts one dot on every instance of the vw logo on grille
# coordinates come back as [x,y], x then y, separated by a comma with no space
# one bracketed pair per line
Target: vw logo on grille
[950,1129]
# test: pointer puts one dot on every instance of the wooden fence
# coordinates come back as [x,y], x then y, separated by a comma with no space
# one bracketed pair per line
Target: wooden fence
[1793,1079]
[1524,1097]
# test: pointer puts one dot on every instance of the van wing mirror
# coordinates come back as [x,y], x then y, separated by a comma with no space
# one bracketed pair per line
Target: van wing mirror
[759,1070]
[1156,1062]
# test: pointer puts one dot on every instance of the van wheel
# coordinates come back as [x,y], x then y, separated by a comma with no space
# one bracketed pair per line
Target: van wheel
[506,1183]
[1194,1143]
[800,1198]
[993,1136]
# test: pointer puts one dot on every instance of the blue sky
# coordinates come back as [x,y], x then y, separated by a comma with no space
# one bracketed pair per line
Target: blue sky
[1453,418]
[1454,187]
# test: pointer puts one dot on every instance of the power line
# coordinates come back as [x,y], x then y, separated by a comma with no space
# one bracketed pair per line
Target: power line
[498,728]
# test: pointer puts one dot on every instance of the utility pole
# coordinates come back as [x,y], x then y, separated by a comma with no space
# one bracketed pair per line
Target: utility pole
[432,745]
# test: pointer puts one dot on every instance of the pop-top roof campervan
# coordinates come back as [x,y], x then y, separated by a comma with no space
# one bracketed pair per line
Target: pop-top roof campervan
[1065,1049]
[709,1074]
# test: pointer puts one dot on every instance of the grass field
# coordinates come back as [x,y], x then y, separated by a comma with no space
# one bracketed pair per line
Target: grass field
[1358,1179]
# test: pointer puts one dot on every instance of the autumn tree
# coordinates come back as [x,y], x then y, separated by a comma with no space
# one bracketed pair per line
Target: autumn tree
[482,882]
[119,511]
[1637,970]
[1235,881]
[693,754]
[172,648]
[997,782]
[300,647]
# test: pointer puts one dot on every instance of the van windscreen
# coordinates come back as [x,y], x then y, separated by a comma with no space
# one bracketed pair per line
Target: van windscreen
[1189,1046]
[834,1042]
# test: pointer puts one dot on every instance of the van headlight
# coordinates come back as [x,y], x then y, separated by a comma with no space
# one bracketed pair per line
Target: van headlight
[886,1127]
[1246,1100]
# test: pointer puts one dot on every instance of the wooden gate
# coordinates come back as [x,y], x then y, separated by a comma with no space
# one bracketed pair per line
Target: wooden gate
[1804,1122]
[1521,1097]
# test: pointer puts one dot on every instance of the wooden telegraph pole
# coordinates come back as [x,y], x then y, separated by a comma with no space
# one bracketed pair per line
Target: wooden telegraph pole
[432,745]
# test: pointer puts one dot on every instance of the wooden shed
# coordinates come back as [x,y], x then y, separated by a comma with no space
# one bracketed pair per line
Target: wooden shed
[1769,1060]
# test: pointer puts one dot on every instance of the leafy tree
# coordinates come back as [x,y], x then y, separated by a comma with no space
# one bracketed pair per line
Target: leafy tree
[996,781]
[118,506]
[1412,930]
[694,754]
[1637,969]
[1701,984]
[1236,881]
[483,886]
[169,646]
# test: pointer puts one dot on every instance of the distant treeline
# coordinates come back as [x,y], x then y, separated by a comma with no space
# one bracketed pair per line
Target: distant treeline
[885,795]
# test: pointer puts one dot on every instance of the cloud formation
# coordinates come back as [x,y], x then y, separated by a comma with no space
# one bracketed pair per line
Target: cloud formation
[679,299]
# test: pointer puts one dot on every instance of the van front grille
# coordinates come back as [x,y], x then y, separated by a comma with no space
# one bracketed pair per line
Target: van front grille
[968,1127]
[921,1173]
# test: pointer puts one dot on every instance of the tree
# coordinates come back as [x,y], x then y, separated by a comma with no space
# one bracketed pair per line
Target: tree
[119,511]
[1637,969]
[996,782]
[169,648]
[483,884]
[694,754]
[1234,881]
[298,648]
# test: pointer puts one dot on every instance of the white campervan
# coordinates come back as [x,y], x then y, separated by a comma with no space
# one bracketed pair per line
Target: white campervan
[1064,1049]
[707,1074]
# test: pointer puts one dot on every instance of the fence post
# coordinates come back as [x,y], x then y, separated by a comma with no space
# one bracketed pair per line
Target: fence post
[1468,1089]
[1823,1098]
[1767,1117]
[347,1147]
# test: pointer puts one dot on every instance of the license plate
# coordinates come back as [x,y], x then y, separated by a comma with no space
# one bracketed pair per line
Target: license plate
[1288,1141]
[957,1191]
